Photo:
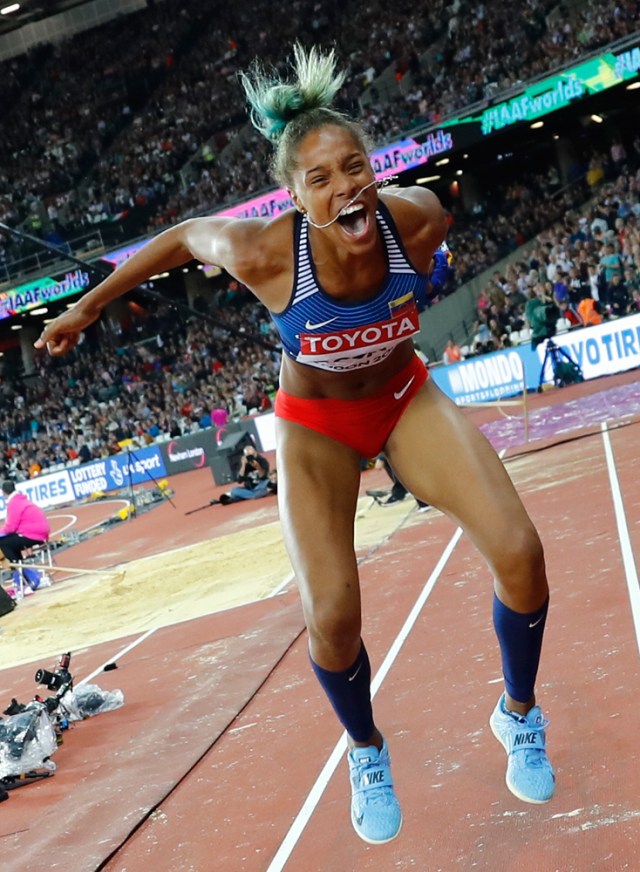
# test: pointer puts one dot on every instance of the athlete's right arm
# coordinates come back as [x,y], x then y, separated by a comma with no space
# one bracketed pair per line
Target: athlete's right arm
[210,240]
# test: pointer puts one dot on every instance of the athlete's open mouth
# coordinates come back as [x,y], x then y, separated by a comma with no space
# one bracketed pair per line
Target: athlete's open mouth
[353,219]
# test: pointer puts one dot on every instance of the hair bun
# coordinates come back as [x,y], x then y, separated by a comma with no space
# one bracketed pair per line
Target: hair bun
[274,102]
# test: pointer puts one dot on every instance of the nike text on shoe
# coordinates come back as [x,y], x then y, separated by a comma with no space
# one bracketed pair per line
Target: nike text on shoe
[530,775]
[375,812]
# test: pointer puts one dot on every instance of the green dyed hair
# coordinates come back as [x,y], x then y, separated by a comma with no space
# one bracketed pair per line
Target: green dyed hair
[284,112]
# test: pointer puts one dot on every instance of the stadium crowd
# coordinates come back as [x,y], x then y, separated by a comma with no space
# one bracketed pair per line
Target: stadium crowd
[186,373]
[154,375]
[592,256]
[112,144]
[141,142]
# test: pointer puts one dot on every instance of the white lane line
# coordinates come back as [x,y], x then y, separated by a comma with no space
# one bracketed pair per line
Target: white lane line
[124,504]
[119,655]
[76,521]
[283,584]
[286,581]
[623,533]
[70,523]
[290,840]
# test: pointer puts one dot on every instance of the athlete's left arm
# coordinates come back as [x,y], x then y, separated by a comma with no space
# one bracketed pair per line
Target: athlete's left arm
[421,221]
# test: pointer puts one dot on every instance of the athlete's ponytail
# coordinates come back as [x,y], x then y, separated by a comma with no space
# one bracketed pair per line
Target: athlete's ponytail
[285,111]
[274,103]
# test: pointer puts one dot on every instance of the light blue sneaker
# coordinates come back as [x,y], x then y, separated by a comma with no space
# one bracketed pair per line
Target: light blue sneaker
[375,812]
[530,775]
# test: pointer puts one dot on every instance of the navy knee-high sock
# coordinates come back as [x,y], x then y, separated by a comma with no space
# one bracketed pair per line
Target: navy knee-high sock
[349,692]
[520,638]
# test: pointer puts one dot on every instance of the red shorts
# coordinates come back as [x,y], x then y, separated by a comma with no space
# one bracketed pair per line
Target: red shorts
[363,424]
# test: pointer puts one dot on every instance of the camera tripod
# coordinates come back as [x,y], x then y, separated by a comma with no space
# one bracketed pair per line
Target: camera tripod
[131,459]
[565,369]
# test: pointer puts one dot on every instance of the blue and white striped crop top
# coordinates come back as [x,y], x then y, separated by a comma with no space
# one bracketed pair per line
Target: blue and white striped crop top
[320,331]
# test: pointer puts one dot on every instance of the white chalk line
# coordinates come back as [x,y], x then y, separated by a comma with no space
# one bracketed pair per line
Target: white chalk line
[628,562]
[315,794]
[313,798]
[290,840]
[74,520]
[119,655]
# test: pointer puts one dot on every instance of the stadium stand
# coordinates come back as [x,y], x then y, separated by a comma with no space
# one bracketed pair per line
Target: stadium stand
[133,145]
[141,141]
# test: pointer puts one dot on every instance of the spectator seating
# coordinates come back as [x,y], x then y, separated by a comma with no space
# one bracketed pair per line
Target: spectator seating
[117,140]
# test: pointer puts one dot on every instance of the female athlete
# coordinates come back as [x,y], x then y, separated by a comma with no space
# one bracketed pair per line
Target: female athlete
[342,275]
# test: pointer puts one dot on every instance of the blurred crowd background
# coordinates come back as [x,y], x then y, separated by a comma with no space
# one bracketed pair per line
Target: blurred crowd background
[140,123]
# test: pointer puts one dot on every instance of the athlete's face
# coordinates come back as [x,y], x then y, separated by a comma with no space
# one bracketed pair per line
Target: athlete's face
[332,169]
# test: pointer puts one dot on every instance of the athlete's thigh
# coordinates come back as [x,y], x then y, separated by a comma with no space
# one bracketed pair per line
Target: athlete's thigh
[318,481]
[442,458]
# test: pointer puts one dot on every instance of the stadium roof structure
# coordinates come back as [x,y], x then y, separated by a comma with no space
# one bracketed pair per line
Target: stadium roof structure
[33,10]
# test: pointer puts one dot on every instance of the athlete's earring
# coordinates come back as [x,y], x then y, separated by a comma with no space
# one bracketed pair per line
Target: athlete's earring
[296,202]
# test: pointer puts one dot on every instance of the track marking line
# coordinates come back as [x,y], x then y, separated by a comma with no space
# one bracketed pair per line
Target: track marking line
[283,584]
[362,559]
[73,520]
[313,798]
[119,655]
[628,562]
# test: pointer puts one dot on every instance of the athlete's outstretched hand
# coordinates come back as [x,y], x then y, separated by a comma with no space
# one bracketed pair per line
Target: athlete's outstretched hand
[63,333]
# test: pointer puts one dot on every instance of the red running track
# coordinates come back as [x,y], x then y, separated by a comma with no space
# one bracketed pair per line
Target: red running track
[224,755]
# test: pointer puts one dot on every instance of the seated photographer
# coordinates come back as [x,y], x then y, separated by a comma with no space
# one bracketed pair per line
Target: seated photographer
[451,353]
[26,524]
[254,479]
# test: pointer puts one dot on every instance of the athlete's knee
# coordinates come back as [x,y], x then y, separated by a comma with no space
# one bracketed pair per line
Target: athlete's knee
[520,563]
[334,627]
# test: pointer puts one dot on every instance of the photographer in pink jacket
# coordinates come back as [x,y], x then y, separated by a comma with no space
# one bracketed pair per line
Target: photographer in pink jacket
[25,525]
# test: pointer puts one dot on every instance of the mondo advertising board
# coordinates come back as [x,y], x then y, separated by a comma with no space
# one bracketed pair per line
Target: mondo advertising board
[605,349]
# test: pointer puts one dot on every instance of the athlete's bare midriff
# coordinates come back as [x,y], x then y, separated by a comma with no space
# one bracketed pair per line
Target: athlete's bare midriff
[308,382]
